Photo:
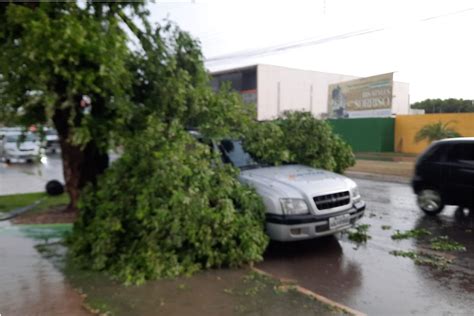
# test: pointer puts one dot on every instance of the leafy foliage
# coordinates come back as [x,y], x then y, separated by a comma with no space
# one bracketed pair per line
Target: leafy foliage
[179,210]
[266,141]
[359,233]
[443,243]
[423,258]
[54,53]
[298,137]
[413,233]
[166,207]
[445,106]
[53,57]
[436,131]
[171,82]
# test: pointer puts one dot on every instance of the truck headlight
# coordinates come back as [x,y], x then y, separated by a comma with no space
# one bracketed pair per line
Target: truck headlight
[355,192]
[294,206]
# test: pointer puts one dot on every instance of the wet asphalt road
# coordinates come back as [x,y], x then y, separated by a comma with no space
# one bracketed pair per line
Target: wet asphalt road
[367,277]
[30,177]
[370,279]
[23,177]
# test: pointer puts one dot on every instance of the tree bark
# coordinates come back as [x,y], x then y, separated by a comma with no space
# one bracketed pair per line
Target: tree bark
[80,167]
[81,164]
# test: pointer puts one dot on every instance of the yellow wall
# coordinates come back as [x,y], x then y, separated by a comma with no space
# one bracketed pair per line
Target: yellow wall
[406,127]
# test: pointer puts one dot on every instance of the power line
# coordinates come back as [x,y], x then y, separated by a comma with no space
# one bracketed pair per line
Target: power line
[312,41]
[283,47]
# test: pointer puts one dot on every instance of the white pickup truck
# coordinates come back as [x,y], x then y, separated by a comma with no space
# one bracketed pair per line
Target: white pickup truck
[301,202]
[15,146]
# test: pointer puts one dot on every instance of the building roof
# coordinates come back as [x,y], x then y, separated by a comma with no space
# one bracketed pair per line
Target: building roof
[229,70]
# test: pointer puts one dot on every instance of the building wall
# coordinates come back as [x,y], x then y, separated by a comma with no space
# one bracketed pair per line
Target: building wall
[401,98]
[366,134]
[406,127]
[280,89]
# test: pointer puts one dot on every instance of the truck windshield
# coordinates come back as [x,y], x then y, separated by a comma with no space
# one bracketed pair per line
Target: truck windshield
[18,138]
[233,152]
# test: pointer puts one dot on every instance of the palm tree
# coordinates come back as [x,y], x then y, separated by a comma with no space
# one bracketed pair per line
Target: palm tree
[436,131]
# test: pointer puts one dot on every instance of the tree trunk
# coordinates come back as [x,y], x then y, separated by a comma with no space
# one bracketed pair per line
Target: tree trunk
[81,164]
[80,167]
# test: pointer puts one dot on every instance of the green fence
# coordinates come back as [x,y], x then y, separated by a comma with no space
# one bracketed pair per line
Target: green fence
[366,134]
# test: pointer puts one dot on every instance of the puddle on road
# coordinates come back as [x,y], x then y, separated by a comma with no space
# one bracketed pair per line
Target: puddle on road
[371,280]
[29,283]
[38,232]
[368,278]
[214,292]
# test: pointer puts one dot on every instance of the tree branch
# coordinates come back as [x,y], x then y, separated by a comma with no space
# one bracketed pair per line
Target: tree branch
[144,41]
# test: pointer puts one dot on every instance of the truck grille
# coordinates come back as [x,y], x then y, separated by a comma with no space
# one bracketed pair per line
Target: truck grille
[324,202]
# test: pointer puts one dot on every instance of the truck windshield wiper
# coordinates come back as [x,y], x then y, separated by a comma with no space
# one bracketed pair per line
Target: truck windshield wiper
[258,165]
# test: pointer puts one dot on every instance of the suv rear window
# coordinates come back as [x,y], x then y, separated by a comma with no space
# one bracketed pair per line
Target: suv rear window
[461,152]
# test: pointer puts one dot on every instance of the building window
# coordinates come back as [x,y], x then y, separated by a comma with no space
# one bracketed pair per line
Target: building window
[243,80]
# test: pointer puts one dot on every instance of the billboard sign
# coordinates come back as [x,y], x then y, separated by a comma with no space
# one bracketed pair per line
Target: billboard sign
[365,97]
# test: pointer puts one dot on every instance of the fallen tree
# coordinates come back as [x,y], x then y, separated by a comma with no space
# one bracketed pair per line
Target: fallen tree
[167,207]
[298,137]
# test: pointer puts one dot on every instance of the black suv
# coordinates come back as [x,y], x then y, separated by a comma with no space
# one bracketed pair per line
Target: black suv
[444,175]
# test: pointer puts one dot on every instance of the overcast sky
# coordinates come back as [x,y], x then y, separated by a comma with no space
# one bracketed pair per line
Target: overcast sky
[427,43]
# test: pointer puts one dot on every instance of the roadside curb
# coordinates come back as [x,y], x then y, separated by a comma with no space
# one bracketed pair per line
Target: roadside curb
[377,177]
[311,294]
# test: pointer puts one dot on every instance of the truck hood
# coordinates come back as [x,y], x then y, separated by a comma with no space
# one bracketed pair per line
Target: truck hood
[25,146]
[296,180]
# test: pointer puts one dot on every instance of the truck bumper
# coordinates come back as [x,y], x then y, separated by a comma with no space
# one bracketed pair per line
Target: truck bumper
[292,228]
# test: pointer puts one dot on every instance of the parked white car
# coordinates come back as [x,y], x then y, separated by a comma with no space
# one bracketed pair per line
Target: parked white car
[51,141]
[301,202]
[17,147]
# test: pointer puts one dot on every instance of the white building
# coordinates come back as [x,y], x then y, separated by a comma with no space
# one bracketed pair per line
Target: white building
[276,89]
